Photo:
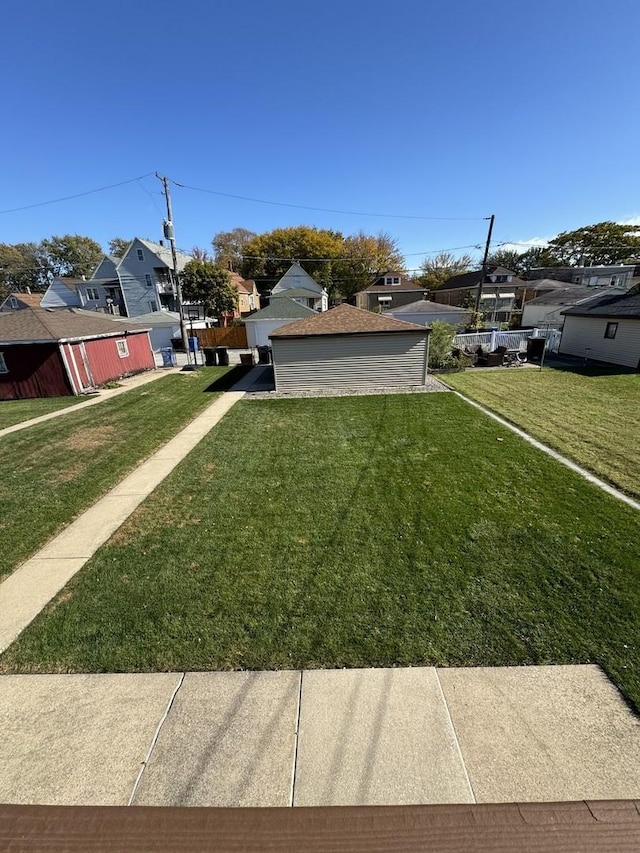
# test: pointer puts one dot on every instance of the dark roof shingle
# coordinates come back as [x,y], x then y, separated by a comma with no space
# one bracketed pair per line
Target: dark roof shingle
[54,324]
[346,320]
[620,305]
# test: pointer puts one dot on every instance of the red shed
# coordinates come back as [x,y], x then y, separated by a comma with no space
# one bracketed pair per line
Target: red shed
[54,352]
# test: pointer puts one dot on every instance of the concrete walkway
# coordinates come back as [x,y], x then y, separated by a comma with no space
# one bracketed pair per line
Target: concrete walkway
[25,592]
[98,397]
[321,737]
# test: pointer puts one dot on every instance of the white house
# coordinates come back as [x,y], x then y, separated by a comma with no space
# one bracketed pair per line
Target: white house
[604,329]
[297,284]
[349,347]
[548,309]
[280,311]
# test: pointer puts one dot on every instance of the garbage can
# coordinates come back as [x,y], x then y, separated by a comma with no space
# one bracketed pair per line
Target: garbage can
[246,359]
[209,356]
[535,348]
[168,357]
[222,354]
[193,345]
[264,355]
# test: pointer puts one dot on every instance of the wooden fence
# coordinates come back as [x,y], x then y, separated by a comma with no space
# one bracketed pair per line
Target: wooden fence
[229,336]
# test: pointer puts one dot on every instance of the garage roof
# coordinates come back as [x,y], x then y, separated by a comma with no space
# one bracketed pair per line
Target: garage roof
[40,325]
[346,320]
[425,306]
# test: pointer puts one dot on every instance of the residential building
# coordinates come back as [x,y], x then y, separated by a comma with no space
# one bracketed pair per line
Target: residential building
[390,290]
[19,301]
[424,312]
[297,284]
[606,328]
[622,276]
[547,309]
[280,311]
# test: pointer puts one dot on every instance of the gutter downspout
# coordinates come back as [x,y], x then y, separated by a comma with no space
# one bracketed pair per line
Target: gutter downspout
[63,356]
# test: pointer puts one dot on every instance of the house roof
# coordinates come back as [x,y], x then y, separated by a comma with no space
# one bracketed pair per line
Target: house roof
[296,292]
[424,306]
[282,308]
[405,284]
[472,279]
[622,305]
[71,283]
[548,284]
[42,325]
[31,300]
[152,318]
[566,295]
[296,277]
[346,320]
[164,253]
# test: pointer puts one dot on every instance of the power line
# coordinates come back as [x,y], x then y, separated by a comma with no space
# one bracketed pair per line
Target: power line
[327,209]
[361,257]
[76,195]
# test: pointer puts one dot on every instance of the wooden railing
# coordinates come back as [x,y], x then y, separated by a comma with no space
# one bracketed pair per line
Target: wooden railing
[229,336]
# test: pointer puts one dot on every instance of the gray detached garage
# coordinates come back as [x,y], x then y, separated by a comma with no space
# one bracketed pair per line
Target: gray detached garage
[349,348]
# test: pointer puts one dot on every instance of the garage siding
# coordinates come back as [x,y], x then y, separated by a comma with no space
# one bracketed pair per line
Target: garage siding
[584,336]
[349,361]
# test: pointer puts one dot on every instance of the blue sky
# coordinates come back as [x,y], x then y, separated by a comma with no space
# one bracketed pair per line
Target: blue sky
[457,109]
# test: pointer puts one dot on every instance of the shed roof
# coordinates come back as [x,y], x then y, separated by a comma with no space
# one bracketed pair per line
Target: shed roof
[346,320]
[40,325]
[425,306]
[619,305]
[282,308]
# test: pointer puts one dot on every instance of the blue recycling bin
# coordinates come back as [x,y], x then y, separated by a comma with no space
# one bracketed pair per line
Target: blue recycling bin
[168,357]
[193,345]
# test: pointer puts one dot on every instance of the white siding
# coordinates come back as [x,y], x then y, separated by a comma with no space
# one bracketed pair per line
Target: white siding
[258,331]
[349,361]
[542,315]
[582,333]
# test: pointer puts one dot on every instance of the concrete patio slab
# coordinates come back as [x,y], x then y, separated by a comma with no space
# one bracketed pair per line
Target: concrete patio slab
[228,741]
[376,736]
[77,739]
[543,733]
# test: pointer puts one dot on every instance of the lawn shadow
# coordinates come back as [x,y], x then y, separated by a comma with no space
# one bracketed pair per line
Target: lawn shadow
[569,364]
[228,379]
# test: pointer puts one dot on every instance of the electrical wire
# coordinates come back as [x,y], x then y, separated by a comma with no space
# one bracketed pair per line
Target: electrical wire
[76,195]
[327,209]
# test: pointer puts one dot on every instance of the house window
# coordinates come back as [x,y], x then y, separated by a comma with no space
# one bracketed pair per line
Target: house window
[13,302]
[147,279]
[384,301]
[392,279]
[3,364]
[92,294]
[610,331]
[123,348]
[140,255]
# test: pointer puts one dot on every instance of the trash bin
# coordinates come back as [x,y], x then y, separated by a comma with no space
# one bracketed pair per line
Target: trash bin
[264,355]
[222,354]
[168,357]
[246,359]
[193,345]
[209,356]
[535,348]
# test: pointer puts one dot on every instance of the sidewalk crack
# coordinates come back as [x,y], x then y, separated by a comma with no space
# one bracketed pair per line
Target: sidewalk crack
[455,737]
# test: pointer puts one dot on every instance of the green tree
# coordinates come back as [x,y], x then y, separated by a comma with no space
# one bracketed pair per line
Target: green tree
[229,247]
[435,271]
[595,245]
[72,255]
[118,246]
[205,282]
[363,258]
[22,266]
[509,259]
[268,256]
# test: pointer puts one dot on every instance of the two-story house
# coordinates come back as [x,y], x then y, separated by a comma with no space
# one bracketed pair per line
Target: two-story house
[621,276]
[390,290]
[298,285]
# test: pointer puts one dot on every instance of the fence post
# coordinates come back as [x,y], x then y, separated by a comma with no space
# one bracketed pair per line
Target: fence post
[493,340]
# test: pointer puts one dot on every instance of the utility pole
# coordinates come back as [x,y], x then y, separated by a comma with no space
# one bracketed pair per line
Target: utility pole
[170,234]
[484,263]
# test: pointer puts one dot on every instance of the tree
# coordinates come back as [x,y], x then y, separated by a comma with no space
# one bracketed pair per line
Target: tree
[509,259]
[118,246]
[72,255]
[364,258]
[22,266]
[199,254]
[442,267]
[207,283]
[268,256]
[229,246]
[440,344]
[596,245]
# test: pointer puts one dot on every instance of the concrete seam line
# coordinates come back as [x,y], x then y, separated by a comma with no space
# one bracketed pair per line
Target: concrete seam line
[154,740]
[573,466]
[296,742]
[455,736]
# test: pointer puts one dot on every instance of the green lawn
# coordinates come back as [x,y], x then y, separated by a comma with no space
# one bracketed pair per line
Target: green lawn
[53,471]
[591,416]
[362,531]
[15,411]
